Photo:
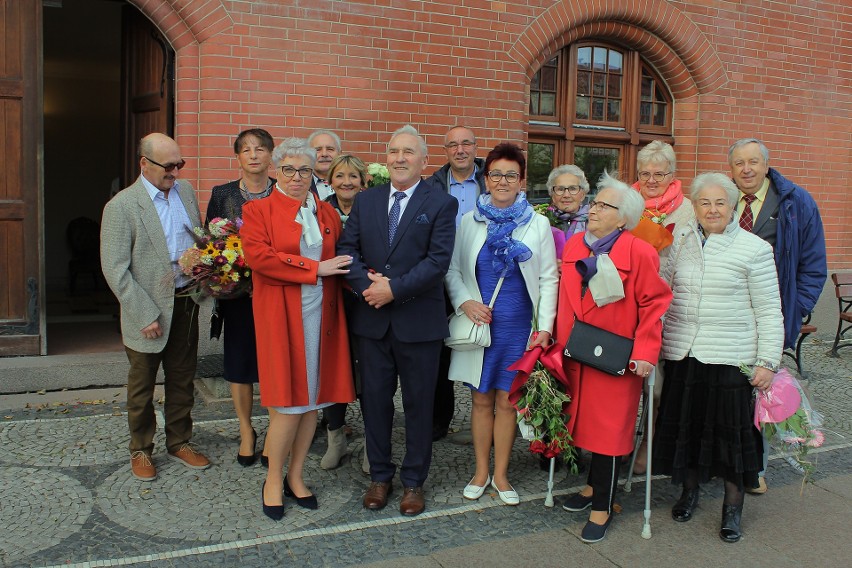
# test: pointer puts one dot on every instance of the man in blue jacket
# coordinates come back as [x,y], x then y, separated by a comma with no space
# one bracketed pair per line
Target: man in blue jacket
[786,216]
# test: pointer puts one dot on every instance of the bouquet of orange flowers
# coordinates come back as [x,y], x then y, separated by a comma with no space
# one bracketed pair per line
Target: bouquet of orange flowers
[217,264]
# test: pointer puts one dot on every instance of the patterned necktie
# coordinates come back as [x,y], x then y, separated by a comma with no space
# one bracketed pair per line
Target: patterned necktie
[393,217]
[747,218]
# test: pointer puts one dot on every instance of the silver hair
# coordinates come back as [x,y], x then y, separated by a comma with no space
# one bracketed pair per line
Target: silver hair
[567,169]
[316,133]
[715,179]
[291,148]
[408,129]
[656,151]
[631,206]
[746,141]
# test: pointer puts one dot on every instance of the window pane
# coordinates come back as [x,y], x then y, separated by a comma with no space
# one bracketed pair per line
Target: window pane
[599,62]
[659,94]
[645,113]
[593,161]
[584,58]
[582,108]
[647,85]
[660,115]
[548,104]
[598,109]
[598,84]
[548,79]
[615,61]
[533,103]
[614,86]
[539,164]
[583,81]
[536,81]
[613,110]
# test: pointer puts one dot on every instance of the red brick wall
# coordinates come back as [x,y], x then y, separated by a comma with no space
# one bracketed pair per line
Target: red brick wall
[779,71]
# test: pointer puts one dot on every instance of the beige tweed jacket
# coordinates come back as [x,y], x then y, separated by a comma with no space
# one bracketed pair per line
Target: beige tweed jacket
[136,265]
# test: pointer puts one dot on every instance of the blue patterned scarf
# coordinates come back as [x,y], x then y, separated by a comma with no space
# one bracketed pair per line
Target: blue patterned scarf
[500,222]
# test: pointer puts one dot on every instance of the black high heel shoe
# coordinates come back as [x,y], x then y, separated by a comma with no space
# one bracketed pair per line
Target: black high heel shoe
[731,517]
[246,461]
[274,512]
[685,506]
[309,502]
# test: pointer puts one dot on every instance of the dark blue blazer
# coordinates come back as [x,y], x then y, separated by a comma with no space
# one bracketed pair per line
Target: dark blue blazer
[416,261]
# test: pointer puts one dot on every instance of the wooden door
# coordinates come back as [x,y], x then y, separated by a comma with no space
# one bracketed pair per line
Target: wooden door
[147,86]
[22,320]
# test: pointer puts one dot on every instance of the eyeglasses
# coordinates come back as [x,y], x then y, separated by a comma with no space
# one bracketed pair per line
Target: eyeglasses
[658,176]
[288,172]
[167,167]
[601,206]
[561,189]
[511,177]
[466,144]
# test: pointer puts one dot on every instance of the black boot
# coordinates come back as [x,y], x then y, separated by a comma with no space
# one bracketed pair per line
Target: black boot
[731,517]
[685,506]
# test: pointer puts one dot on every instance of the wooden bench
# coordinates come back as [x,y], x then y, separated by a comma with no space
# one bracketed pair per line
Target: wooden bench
[806,329]
[843,291]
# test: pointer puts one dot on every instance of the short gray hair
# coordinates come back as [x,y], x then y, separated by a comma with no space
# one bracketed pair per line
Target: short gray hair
[316,133]
[568,169]
[656,151]
[717,179]
[292,148]
[408,129]
[631,205]
[745,142]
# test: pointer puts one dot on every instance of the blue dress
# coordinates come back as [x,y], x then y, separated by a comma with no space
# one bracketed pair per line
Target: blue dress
[511,323]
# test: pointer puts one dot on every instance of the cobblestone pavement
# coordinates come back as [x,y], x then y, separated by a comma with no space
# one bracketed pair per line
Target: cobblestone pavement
[67,497]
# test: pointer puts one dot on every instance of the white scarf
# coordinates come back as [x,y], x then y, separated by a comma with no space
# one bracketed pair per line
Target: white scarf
[307,218]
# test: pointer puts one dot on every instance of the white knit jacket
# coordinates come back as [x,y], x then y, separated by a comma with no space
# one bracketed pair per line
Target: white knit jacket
[726,308]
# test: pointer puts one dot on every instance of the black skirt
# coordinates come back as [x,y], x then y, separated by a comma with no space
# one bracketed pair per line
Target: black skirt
[706,423]
[239,344]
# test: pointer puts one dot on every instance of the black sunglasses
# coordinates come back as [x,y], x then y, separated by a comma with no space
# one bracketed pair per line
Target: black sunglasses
[167,167]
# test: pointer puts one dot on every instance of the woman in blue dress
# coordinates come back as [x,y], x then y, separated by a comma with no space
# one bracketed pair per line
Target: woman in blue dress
[503,238]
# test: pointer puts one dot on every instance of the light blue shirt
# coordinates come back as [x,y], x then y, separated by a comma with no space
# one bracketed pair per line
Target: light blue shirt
[465,193]
[176,225]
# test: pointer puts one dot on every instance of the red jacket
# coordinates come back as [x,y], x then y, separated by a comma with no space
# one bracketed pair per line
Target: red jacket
[270,236]
[603,407]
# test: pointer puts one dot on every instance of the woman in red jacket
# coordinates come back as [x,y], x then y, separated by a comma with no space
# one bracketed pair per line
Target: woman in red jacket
[302,345]
[603,407]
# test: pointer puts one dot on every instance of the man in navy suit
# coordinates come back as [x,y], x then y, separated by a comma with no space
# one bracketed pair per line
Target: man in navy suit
[400,236]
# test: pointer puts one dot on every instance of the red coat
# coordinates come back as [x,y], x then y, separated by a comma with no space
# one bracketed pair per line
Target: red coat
[270,236]
[603,407]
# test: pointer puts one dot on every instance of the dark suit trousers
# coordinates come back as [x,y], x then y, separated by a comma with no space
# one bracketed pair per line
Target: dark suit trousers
[179,359]
[416,364]
[445,401]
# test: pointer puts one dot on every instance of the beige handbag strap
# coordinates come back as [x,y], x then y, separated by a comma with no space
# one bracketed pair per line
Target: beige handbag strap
[496,291]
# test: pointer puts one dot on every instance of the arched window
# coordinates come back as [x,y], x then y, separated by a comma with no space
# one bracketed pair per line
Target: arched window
[594,105]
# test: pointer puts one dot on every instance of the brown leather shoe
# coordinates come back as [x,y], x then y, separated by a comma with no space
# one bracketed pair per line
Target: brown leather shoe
[376,496]
[413,502]
[142,467]
[189,457]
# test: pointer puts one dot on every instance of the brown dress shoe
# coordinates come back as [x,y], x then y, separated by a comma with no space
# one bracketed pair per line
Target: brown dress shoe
[413,502]
[142,467]
[191,458]
[376,496]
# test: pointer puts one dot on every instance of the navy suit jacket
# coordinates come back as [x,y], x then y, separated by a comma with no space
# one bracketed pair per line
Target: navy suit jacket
[416,261]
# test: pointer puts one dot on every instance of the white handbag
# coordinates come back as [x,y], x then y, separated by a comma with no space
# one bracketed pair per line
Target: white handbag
[465,335]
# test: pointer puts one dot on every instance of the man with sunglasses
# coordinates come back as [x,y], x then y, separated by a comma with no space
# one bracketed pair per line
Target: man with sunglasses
[144,231]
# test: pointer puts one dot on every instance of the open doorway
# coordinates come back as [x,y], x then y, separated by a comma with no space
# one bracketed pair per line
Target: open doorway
[95,51]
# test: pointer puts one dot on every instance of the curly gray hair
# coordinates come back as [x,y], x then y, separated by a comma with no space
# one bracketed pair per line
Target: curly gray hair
[630,206]
[291,148]
[567,169]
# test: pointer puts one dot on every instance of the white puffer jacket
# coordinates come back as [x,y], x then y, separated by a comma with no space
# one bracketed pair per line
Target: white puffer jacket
[726,308]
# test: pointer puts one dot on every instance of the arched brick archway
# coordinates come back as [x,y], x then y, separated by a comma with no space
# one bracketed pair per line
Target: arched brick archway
[667,39]
[184,22]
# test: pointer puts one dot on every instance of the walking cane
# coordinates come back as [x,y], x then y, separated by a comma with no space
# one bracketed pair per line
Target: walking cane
[646,529]
[548,499]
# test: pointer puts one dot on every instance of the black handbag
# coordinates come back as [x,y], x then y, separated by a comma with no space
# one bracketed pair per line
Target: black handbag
[216,321]
[598,348]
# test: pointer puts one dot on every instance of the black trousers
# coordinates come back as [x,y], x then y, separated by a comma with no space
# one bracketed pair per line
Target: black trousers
[603,478]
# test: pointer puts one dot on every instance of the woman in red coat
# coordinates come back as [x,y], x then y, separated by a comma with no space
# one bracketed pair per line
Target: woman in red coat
[302,345]
[599,267]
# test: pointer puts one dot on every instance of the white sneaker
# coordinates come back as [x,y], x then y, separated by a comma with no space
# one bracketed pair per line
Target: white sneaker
[474,492]
[509,497]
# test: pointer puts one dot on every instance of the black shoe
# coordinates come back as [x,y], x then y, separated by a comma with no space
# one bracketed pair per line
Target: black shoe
[577,502]
[594,532]
[731,517]
[274,512]
[309,502]
[685,506]
[246,461]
